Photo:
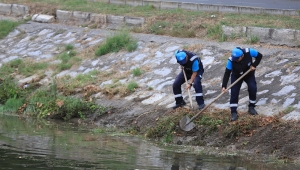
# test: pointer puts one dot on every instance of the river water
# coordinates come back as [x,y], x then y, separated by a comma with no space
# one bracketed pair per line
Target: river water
[39,144]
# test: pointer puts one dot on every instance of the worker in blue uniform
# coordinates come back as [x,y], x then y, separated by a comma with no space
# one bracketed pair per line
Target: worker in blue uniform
[191,64]
[240,61]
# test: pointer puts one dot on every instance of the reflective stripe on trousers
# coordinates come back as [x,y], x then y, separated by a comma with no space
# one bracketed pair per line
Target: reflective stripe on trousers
[197,86]
[235,90]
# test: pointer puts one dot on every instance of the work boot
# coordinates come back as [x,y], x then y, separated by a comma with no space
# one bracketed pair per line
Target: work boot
[179,105]
[234,116]
[252,111]
[201,106]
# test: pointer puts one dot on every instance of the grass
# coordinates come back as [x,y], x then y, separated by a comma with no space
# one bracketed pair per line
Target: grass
[44,102]
[117,88]
[69,47]
[289,109]
[214,32]
[68,58]
[30,68]
[116,42]
[164,129]
[6,27]
[137,72]
[27,67]
[81,82]
[252,39]
[132,85]
[12,105]
[8,90]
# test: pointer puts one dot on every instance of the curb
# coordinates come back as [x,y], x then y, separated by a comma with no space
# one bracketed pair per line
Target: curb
[201,7]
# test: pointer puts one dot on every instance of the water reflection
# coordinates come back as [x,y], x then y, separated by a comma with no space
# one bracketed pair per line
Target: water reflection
[32,144]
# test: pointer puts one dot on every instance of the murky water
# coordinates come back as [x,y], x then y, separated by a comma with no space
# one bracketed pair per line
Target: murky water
[32,144]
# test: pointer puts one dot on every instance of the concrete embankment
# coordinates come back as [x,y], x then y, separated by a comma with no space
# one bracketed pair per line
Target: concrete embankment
[277,75]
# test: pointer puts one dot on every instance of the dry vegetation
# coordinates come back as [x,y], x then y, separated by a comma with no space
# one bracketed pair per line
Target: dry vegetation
[176,22]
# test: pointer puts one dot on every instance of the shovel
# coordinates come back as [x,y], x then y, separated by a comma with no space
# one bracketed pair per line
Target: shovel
[188,89]
[186,123]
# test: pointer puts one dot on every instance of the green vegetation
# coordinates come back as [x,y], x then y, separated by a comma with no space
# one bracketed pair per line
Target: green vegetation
[252,39]
[207,123]
[12,105]
[9,90]
[6,27]
[69,47]
[136,72]
[116,42]
[214,31]
[117,88]
[164,129]
[68,58]
[159,27]
[49,101]
[44,102]
[25,68]
[71,85]
[177,30]
[288,109]
[132,86]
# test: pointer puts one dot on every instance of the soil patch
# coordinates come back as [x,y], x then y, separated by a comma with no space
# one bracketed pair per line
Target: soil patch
[271,137]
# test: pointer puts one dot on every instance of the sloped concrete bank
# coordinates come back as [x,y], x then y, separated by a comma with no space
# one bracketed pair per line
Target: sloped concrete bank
[277,75]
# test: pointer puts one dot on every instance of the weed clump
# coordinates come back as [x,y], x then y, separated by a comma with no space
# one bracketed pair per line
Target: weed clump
[44,102]
[9,90]
[115,43]
[164,129]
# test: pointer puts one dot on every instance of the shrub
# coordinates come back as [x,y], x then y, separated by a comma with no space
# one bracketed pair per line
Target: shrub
[9,89]
[73,107]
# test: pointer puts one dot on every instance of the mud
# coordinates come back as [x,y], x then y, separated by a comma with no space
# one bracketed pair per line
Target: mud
[276,140]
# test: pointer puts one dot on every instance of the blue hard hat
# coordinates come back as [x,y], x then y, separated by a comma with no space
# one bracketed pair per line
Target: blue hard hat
[236,54]
[181,57]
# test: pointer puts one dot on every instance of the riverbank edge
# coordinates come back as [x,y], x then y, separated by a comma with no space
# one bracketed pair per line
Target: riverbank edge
[226,153]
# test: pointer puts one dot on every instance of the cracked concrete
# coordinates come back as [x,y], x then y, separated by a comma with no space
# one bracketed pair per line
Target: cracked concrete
[277,75]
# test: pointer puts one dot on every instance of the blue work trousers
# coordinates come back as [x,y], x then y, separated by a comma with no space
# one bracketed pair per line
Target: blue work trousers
[196,84]
[235,90]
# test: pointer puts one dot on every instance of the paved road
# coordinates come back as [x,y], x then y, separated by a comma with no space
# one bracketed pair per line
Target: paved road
[269,4]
